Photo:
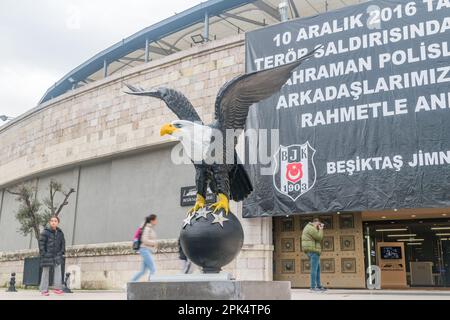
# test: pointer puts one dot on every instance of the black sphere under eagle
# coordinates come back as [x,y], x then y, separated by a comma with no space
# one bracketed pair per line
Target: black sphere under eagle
[229,181]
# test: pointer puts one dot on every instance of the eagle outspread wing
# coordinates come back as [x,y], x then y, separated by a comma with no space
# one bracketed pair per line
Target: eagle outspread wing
[174,100]
[231,109]
[236,96]
[228,180]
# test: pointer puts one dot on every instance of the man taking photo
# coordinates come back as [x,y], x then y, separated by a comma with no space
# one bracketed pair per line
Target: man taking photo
[311,245]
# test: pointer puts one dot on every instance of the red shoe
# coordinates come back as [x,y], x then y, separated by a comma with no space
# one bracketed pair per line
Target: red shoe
[45,293]
[57,291]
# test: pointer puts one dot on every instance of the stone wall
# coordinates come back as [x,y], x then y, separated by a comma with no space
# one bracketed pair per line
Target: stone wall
[110,266]
[98,122]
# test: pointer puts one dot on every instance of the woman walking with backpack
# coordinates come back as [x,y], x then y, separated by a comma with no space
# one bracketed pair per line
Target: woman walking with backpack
[147,247]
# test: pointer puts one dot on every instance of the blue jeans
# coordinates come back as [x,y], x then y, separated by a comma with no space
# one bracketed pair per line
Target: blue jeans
[314,260]
[147,263]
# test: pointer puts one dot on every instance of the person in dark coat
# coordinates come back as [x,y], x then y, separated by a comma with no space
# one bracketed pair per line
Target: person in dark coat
[52,247]
[186,264]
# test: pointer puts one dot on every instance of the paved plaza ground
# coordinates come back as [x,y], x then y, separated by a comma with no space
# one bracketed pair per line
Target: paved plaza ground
[297,294]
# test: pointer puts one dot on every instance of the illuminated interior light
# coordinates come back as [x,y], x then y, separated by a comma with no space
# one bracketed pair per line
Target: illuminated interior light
[391,230]
[401,235]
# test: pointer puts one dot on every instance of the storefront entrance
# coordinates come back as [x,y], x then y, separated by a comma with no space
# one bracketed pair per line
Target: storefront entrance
[411,248]
[425,245]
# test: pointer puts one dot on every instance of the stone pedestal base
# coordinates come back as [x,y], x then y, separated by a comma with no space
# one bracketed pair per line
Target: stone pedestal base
[209,290]
[222,276]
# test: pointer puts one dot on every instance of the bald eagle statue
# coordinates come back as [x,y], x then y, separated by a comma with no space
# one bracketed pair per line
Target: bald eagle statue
[229,181]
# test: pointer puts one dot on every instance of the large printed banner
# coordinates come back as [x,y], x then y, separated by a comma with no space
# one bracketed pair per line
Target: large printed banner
[365,125]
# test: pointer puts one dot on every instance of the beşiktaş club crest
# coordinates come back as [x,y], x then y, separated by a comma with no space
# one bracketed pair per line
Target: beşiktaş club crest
[295,171]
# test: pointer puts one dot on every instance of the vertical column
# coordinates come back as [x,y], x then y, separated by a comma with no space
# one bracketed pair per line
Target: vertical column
[105,68]
[256,260]
[206,27]
[2,196]
[283,9]
[30,246]
[258,230]
[146,50]
[369,260]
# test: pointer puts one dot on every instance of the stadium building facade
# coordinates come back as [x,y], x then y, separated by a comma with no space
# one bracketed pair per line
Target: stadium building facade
[89,135]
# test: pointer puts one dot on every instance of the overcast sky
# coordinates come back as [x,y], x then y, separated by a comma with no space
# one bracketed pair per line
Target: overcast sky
[42,40]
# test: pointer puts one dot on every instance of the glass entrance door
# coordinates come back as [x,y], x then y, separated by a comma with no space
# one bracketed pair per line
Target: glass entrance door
[444,266]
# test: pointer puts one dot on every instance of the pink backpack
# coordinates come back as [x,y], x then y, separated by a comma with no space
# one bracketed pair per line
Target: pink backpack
[137,234]
[137,238]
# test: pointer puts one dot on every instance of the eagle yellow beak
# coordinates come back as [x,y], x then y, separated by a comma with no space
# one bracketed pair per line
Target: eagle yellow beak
[167,129]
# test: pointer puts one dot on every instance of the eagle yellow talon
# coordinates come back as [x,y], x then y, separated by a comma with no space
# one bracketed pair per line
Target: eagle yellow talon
[222,203]
[199,203]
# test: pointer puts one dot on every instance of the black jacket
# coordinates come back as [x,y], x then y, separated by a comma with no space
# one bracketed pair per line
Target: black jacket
[52,247]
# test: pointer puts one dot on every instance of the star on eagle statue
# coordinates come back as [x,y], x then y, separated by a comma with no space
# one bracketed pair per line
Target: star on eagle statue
[229,181]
